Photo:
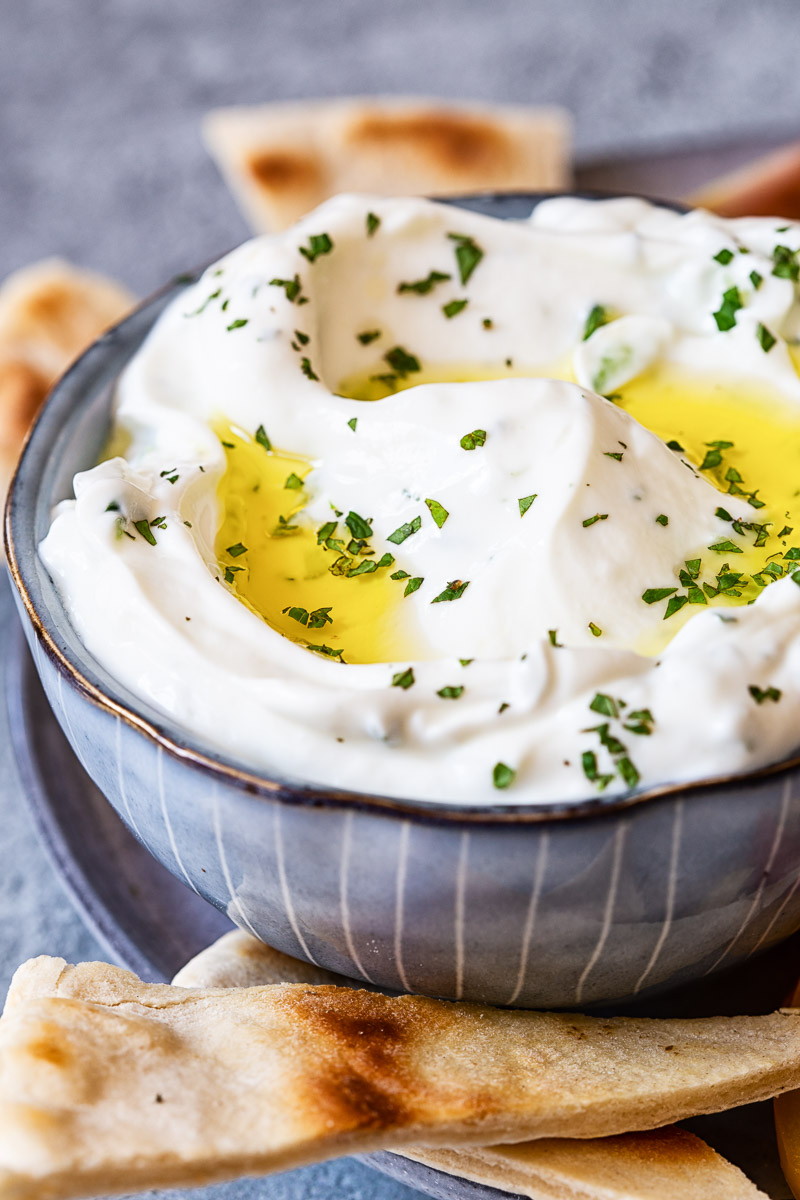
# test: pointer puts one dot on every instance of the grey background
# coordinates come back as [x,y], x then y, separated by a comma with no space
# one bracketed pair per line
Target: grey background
[101,160]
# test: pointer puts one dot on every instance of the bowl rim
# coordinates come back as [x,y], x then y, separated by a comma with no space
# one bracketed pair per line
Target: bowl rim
[180,743]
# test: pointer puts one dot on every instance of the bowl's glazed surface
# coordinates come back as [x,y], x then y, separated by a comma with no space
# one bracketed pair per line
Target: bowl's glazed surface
[572,905]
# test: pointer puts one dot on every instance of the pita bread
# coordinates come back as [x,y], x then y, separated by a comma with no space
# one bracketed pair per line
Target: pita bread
[666,1163]
[281,160]
[49,314]
[633,1166]
[768,187]
[109,1085]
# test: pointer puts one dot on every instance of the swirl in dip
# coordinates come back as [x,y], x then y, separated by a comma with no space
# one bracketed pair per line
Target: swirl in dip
[427,504]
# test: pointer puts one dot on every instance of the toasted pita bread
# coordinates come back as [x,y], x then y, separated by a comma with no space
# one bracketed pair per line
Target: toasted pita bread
[110,1085]
[665,1163]
[281,160]
[49,314]
[768,187]
[633,1166]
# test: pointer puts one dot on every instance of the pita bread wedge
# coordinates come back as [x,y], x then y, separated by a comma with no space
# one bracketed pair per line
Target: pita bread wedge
[110,1085]
[49,313]
[662,1163]
[281,160]
[665,1163]
[767,187]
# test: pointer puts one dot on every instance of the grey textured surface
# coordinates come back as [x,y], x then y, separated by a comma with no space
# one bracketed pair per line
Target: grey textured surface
[102,161]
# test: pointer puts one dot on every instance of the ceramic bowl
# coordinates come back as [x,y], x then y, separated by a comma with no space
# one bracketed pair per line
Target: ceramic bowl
[573,904]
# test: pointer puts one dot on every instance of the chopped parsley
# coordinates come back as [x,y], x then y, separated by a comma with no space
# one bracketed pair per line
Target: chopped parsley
[292,287]
[369,335]
[236,550]
[595,630]
[553,636]
[756,279]
[438,512]
[373,221]
[405,531]
[239,323]
[487,323]
[713,456]
[423,286]
[525,502]
[358,526]
[453,591]
[413,585]
[293,482]
[451,693]
[653,595]
[470,440]
[662,519]
[143,528]
[318,243]
[593,520]
[726,547]
[404,679]
[468,255]
[307,369]
[724,257]
[327,650]
[262,439]
[761,694]
[615,454]
[766,340]
[230,573]
[597,317]
[401,361]
[784,263]
[353,422]
[466,661]
[676,446]
[454,307]
[725,316]
[302,338]
[503,776]
[318,619]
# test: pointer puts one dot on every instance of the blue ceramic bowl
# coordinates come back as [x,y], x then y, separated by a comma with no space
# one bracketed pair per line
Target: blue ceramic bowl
[569,905]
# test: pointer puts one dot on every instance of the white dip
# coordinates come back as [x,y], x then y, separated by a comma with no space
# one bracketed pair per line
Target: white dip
[554,673]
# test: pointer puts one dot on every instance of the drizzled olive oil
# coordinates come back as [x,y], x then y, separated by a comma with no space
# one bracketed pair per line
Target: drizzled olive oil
[279,564]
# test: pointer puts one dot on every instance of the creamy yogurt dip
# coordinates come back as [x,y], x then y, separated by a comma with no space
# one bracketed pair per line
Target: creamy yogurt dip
[426,504]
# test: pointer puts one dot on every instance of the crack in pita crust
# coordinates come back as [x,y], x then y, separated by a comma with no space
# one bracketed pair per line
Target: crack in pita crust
[108,1084]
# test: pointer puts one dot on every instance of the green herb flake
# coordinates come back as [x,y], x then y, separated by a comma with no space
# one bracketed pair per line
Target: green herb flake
[358,526]
[784,263]
[262,439]
[454,307]
[413,585]
[761,694]
[373,221]
[756,279]
[662,519]
[725,316]
[307,369]
[597,317]
[525,502]
[553,636]
[438,512]
[318,243]
[653,595]
[615,454]
[352,423]
[291,287]
[143,528]
[595,630]
[293,482]
[766,340]
[405,531]
[401,361]
[369,335]
[487,323]
[466,661]
[676,446]
[628,771]
[239,323]
[404,679]
[468,255]
[451,693]
[726,547]
[423,286]
[724,257]
[454,591]
[236,550]
[605,705]
[675,605]
[503,776]
[470,440]
[593,520]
